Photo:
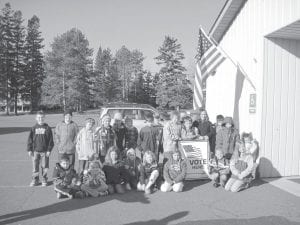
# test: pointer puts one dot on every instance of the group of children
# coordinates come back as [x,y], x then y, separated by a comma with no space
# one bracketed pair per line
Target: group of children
[107,160]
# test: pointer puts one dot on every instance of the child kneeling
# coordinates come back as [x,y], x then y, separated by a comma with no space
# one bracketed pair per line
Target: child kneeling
[149,172]
[174,173]
[66,181]
[94,181]
[219,169]
[241,166]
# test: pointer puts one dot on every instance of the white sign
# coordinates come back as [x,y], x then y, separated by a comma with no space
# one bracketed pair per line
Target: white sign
[196,154]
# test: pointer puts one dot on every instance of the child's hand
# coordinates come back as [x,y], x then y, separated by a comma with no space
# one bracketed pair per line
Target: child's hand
[206,138]
[48,154]
[30,153]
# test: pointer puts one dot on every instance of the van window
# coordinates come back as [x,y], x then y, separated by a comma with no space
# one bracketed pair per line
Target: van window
[112,112]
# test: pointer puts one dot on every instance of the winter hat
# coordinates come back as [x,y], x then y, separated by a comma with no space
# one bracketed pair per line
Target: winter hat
[228,120]
[220,117]
[130,151]
[118,116]
[64,158]
[68,111]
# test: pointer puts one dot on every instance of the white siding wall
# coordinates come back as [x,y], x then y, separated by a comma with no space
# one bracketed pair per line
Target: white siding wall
[281,108]
[244,42]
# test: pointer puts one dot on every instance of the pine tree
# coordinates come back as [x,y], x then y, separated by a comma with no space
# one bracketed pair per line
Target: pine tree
[172,84]
[17,79]
[68,72]
[6,55]
[34,69]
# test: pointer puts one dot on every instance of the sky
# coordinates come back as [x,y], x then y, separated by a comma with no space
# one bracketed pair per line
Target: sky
[137,24]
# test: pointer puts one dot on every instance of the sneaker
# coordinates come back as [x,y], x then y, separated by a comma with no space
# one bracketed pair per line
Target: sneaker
[58,195]
[147,191]
[127,187]
[44,184]
[33,183]
[103,193]
[216,185]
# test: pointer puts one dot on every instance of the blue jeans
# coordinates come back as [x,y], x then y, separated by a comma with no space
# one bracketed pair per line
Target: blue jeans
[37,159]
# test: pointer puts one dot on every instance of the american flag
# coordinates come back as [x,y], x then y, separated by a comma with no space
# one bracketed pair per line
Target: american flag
[209,57]
[191,151]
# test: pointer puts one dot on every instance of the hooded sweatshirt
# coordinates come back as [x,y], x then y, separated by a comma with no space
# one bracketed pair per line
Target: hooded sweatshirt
[40,139]
[175,170]
[66,137]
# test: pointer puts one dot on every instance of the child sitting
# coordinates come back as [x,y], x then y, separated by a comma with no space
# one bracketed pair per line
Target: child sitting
[174,173]
[187,131]
[218,169]
[133,166]
[149,172]
[241,167]
[131,134]
[94,181]
[114,171]
[65,180]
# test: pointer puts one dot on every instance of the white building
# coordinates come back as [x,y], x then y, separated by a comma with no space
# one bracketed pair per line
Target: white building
[264,37]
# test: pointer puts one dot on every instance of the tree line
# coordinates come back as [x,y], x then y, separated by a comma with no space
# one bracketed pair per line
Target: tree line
[67,76]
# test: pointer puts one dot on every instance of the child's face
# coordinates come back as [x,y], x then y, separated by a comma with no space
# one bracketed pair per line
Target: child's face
[40,119]
[228,125]
[128,123]
[89,125]
[106,122]
[219,154]
[65,164]
[114,155]
[188,124]
[203,115]
[68,118]
[131,156]
[176,156]
[219,122]
[247,140]
[242,148]
[149,159]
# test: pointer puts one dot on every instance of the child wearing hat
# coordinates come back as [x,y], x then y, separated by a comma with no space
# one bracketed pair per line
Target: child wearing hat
[227,138]
[119,129]
[39,147]
[174,173]
[94,181]
[85,145]
[131,134]
[133,167]
[65,136]
[66,182]
[105,137]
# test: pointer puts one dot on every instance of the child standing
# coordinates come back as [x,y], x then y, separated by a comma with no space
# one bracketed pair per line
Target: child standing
[39,146]
[94,181]
[133,166]
[149,172]
[187,131]
[114,171]
[105,137]
[85,145]
[174,173]
[65,133]
[119,129]
[131,134]
[171,135]
[219,169]
[65,179]
[227,137]
[216,128]
[241,167]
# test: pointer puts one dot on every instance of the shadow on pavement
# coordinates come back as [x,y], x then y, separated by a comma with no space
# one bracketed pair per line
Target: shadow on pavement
[12,130]
[69,205]
[265,220]
[163,221]
[189,185]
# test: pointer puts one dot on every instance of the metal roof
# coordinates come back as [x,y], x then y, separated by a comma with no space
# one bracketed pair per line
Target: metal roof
[225,18]
[291,31]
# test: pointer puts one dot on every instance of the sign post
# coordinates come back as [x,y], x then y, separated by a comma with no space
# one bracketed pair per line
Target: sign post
[196,154]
